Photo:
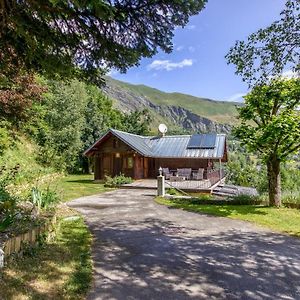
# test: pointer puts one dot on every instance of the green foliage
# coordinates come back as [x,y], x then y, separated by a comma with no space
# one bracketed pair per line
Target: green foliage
[21,160]
[291,197]
[63,120]
[5,139]
[172,191]
[245,170]
[268,52]
[245,200]
[6,221]
[277,122]
[137,122]
[290,177]
[44,199]
[223,112]
[71,117]
[117,180]
[275,134]
[83,38]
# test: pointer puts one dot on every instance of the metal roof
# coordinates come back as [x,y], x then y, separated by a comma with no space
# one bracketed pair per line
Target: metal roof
[175,146]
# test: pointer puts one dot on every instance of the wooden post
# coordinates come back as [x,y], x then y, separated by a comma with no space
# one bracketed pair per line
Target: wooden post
[161,185]
[220,170]
[1,258]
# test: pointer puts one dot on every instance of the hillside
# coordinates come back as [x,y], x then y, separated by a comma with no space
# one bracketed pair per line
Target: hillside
[175,109]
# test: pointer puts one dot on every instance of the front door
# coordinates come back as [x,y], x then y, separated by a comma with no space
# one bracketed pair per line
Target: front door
[117,170]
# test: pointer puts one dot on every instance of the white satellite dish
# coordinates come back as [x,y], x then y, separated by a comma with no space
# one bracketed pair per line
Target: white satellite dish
[162,128]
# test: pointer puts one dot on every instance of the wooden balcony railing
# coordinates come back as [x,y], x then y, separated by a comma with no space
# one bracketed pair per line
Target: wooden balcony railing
[214,175]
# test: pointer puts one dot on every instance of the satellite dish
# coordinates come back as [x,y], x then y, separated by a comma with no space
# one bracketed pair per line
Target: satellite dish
[162,128]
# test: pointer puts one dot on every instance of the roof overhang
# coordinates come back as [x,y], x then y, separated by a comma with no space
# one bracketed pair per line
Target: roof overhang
[90,151]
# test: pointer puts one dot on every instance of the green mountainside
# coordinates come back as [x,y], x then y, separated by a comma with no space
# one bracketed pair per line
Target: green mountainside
[175,109]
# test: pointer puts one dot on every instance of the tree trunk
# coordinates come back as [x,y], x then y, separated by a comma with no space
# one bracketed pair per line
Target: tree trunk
[273,167]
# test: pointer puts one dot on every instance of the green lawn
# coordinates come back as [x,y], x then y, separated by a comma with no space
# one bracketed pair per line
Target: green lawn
[285,220]
[75,186]
[62,268]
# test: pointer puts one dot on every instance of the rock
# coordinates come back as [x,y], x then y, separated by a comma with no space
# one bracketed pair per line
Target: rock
[127,101]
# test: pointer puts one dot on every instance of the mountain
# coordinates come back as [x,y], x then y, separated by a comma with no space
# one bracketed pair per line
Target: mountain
[180,112]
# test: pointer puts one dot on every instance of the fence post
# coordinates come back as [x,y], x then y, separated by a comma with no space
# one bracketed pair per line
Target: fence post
[1,258]
[160,184]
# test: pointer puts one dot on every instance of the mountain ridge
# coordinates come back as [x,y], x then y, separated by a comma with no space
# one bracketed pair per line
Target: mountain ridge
[181,112]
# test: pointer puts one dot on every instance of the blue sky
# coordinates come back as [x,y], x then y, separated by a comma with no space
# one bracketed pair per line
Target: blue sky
[197,65]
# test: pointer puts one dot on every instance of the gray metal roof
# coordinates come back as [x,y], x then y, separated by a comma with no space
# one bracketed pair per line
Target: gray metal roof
[168,146]
[137,142]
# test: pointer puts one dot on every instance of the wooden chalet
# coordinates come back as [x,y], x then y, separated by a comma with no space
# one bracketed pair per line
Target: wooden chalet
[140,157]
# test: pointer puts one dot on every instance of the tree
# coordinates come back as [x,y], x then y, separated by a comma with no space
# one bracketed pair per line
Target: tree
[61,124]
[270,126]
[84,38]
[269,52]
[137,122]
[17,97]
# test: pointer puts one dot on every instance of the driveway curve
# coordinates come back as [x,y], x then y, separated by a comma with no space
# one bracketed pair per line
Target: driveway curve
[143,250]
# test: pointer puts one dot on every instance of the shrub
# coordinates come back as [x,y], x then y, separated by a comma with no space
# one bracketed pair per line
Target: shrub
[117,180]
[172,191]
[44,199]
[291,197]
[245,200]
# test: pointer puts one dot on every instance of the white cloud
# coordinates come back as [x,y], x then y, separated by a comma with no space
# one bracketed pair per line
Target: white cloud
[168,65]
[191,27]
[179,48]
[238,97]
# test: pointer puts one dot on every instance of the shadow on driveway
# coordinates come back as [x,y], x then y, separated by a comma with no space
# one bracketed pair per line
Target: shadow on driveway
[161,262]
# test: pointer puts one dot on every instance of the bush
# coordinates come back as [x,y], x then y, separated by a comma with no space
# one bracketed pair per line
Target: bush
[44,199]
[245,200]
[172,191]
[291,197]
[117,180]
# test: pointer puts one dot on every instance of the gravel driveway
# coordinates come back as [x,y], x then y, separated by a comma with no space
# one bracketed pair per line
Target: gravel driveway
[146,251]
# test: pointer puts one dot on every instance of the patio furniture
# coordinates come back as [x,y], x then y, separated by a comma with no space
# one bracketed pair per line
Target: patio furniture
[185,172]
[166,172]
[199,174]
[177,178]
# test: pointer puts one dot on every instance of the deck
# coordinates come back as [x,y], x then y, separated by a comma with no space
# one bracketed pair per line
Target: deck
[203,186]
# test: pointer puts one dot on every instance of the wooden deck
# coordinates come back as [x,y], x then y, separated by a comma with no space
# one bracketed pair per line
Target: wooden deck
[186,185]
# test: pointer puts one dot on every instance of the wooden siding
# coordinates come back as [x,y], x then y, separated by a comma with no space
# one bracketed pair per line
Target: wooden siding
[114,157]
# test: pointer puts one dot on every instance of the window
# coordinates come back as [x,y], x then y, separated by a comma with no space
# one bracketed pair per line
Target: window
[130,162]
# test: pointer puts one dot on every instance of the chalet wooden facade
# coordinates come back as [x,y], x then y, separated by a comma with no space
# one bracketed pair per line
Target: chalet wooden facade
[141,157]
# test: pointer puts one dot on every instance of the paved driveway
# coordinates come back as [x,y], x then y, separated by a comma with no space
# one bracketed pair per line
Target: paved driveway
[146,251]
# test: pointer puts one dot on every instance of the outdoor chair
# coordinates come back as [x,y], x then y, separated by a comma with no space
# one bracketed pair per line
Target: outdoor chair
[185,172]
[199,174]
[166,172]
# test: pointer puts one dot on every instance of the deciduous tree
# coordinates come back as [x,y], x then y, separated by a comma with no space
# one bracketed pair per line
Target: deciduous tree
[270,126]
[270,51]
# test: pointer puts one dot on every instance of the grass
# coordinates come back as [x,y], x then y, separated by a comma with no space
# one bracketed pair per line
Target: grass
[62,268]
[75,186]
[219,111]
[285,220]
